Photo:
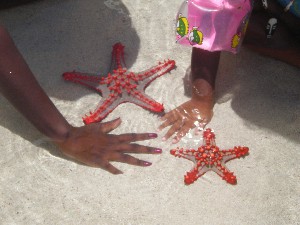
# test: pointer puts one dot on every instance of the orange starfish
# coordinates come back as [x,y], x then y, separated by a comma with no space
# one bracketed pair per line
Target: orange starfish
[209,157]
[121,86]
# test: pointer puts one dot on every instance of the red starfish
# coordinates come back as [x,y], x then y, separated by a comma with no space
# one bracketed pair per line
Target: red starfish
[121,86]
[209,157]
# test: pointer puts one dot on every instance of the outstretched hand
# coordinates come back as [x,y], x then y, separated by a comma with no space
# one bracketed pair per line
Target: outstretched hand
[93,146]
[191,114]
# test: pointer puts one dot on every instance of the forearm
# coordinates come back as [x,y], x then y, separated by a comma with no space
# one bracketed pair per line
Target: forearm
[19,86]
[204,66]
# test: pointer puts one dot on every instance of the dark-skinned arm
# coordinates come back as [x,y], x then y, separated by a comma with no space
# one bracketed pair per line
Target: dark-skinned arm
[91,145]
[20,87]
[204,68]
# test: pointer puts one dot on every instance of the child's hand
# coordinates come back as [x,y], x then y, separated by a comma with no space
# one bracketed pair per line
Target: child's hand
[196,112]
[93,146]
[199,110]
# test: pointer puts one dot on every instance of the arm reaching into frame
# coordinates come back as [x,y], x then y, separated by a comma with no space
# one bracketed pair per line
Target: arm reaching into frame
[91,145]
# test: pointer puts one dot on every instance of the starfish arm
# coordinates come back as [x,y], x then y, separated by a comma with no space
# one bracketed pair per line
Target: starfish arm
[140,98]
[190,177]
[224,172]
[151,74]
[89,80]
[234,153]
[154,106]
[117,58]
[104,107]
[181,153]
[198,171]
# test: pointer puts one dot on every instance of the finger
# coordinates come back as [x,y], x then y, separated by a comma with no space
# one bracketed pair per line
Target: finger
[110,126]
[135,148]
[169,115]
[133,137]
[183,131]
[168,121]
[172,130]
[173,114]
[124,158]
[105,165]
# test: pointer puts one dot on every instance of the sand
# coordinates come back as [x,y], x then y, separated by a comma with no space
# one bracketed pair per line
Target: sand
[258,106]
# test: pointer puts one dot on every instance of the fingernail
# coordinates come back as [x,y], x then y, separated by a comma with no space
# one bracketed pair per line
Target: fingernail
[158,150]
[164,139]
[116,120]
[147,163]
[153,135]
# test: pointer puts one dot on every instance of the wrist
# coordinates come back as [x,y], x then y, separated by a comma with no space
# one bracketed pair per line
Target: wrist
[202,89]
[60,133]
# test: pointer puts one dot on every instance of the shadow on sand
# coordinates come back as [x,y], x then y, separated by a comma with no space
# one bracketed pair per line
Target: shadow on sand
[264,92]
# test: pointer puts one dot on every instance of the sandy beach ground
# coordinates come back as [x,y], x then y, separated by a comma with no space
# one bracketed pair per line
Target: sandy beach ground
[258,106]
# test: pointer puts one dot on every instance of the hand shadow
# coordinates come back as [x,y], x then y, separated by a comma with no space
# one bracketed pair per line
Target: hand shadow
[56,36]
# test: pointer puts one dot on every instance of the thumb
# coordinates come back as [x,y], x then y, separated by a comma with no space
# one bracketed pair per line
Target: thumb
[110,125]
